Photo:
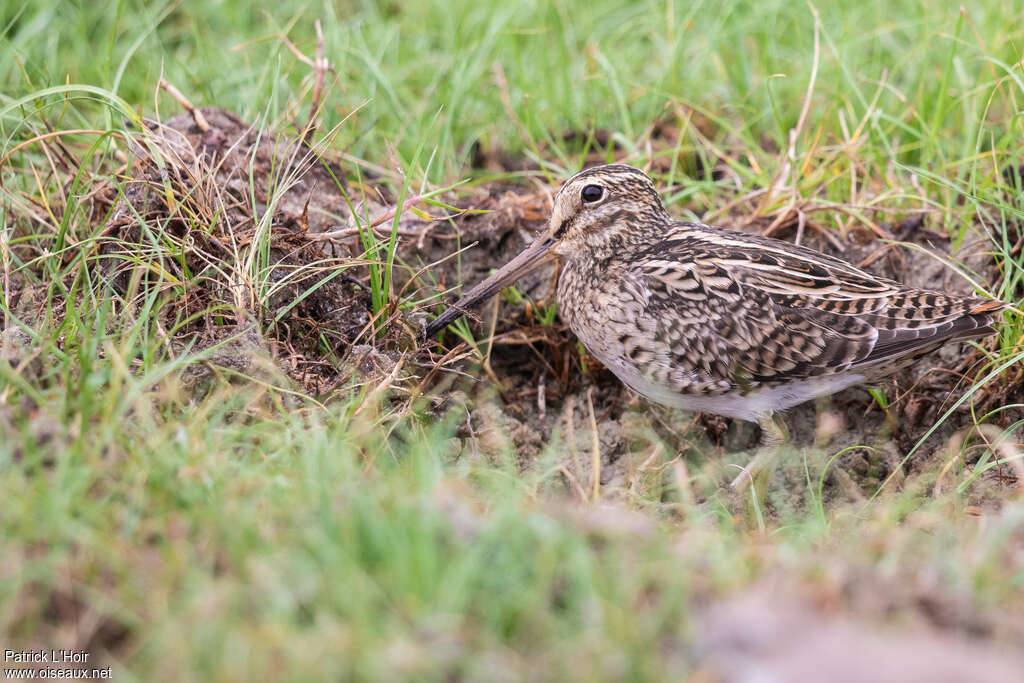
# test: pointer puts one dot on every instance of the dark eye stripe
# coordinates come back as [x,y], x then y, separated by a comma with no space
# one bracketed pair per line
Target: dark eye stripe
[563,228]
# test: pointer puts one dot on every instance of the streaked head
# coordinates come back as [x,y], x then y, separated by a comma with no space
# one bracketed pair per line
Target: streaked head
[600,206]
[598,209]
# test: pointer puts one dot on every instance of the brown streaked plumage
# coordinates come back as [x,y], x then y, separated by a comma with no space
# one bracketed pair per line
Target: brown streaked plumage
[721,321]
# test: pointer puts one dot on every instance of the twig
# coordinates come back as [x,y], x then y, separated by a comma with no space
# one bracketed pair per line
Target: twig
[383,218]
[506,102]
[789,165]
[5,262]
[683,481]
[542,404]
[800,223]
[58,133]
[450,357]
[381,387]
[67,158]
[785,219]
[320,71]
[729,206]
[295,51]
[197,115]
[575,484]
[369,165]
[431,266]
[1003,449]
[795,132]
[595,454]
[490,340]
[570,436]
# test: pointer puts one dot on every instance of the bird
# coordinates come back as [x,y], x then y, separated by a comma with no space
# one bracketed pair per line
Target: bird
[720,321]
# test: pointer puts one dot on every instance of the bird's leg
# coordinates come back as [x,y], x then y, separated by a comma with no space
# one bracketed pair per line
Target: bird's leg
[773,436]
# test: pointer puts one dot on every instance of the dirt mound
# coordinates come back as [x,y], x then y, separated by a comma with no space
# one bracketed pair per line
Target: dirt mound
[223,214]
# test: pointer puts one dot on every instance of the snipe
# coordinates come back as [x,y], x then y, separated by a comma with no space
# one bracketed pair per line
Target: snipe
[719,321]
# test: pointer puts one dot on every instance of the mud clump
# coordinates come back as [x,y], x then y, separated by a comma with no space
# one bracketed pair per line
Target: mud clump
[226,216]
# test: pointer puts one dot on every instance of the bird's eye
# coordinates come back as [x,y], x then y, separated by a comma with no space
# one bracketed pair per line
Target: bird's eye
[592,193]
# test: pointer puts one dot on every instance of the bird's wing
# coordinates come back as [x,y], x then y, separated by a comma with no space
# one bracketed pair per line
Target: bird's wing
[750,309]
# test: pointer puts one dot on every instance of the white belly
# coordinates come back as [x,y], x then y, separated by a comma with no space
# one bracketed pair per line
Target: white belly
[749,406]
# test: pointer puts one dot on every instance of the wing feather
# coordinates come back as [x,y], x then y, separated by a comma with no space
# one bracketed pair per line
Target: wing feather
[751,309]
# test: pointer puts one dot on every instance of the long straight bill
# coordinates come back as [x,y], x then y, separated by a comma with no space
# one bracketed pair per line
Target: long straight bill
[530,258]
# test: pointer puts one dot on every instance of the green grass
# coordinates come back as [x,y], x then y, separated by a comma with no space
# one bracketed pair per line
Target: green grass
[428,70]
[253,532]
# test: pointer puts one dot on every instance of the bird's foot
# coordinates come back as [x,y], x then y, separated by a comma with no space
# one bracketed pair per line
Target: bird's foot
[773,436]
